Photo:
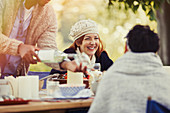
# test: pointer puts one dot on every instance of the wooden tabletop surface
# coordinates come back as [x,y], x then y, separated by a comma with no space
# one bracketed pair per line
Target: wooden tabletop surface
[41,106]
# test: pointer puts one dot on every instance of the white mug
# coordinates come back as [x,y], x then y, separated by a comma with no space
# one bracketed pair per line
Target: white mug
[28,87]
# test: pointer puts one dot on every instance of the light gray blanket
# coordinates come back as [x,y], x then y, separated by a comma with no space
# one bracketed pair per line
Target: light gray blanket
[129,81]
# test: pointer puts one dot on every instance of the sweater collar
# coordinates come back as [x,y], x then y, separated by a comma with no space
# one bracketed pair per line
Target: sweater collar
[136,63]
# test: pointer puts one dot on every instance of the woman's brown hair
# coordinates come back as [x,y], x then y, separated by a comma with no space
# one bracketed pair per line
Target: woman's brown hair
[80,40]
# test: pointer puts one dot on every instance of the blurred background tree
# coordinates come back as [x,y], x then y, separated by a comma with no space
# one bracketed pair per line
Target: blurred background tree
[113,22]
[156,10]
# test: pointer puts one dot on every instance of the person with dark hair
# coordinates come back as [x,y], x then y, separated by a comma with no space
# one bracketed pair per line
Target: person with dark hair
[148,41]
[86,39]
[134,77]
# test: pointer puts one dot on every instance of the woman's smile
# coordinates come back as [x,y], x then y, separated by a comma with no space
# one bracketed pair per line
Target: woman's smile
[90,44]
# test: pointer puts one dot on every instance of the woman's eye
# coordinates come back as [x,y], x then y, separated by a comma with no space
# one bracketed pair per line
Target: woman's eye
[96,38]
[87,39]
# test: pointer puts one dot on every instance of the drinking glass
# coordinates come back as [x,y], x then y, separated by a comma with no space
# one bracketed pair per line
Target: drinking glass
[52,87]
[97,66]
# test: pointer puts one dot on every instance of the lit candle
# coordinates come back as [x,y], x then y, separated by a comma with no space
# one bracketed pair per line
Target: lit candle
[74,78]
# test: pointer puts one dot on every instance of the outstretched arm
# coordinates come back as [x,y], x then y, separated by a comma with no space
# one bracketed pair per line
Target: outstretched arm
[73,66]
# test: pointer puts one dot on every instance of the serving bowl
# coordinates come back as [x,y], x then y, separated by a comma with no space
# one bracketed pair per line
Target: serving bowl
[70,90]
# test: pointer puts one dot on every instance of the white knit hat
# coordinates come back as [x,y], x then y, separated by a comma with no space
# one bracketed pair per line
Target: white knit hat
[83,27]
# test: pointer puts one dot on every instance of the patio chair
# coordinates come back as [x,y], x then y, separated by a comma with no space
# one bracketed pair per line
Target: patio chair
[155,107]
[41,75]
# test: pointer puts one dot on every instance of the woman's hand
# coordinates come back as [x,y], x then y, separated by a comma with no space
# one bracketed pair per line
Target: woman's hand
[73,66]
[27,52]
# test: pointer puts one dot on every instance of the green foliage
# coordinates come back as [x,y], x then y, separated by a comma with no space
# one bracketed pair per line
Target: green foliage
[113,26]
[149,6]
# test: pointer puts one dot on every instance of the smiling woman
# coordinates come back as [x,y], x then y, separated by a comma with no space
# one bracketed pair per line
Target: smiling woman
[86,39]
[90,44]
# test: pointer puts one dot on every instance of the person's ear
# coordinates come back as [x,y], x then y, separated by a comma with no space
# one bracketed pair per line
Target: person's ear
[126,47]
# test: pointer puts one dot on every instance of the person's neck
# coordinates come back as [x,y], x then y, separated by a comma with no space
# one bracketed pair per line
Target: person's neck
[29,3]
[90,57]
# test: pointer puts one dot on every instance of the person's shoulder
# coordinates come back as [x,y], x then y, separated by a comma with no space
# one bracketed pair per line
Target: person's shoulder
[48,6]
[48,9]
[47,12]
[69,50]
[105,57]
[104,54]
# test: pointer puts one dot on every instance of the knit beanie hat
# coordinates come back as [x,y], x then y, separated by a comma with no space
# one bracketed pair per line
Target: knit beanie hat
[83,27]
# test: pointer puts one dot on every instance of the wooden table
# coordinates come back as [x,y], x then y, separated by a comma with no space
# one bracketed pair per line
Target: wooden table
[41,107]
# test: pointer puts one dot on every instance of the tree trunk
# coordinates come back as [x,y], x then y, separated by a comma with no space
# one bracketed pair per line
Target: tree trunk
[163,16]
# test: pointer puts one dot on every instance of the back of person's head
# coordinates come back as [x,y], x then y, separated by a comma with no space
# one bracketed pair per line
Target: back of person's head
[142,39]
